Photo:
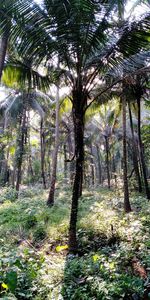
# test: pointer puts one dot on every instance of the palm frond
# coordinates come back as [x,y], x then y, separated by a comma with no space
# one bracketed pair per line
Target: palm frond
[65,105]
[21,74]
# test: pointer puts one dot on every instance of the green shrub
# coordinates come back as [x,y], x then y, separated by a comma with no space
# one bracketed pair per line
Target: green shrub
[98,277]
[8,194]
[19,274]
[31,221]
[39,234]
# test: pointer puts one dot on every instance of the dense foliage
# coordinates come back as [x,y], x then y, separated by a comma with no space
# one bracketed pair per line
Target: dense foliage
[74,150]
[113,261]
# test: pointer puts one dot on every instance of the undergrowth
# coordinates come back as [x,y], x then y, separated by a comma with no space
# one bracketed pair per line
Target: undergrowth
[114,249]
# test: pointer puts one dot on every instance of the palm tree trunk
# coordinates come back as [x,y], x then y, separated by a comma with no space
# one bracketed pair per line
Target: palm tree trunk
[92,166]
[107,160]
[22,140]
[50,201]
[127,206]
[65,162]
[31,172]
[99,165]
[114,170]
[49,161]
[134,153]
[30,167]
[20,150]
[141,150]
[42,141]
[78,118]
[71,154]
[3,49]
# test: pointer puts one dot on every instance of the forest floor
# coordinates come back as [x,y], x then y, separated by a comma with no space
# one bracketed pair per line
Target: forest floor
[114,248]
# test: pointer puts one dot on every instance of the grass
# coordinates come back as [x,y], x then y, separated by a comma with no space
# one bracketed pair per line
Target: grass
[114,248]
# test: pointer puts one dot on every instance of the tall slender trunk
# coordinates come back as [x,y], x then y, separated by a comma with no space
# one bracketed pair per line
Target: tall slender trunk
[71,153]
[50,201]
[30,167]
[78,118]
[107,160]
[65,162]
[127,206]
[42,142]
[4,162]
[20,150]
[49,161]
[3,49]
[13,173]
[31,172]
[92,166]
[141,150]
[114,169]
[99,165]
[3,167]
[134,152]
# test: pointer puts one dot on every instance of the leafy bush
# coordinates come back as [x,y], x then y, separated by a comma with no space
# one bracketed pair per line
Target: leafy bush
[31,221]
[104,271]
[8,194]
[26,193]
[99,277]
[39,234]
[19,274]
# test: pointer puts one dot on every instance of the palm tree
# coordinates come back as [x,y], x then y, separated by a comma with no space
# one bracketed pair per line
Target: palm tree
[136,90]
[3,48]
[20,76]
[4,34]
[16,109]
[80,33]
[50,200]
[127,206]
[43,146]
[135,152]
[139,92]
[106,124]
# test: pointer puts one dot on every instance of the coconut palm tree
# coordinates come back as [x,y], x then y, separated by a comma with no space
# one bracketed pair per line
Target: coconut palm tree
[106,123]
[16,109]
[135,152]
[80,33]
[50,200]
[4,34]
[139,90]
[23,80]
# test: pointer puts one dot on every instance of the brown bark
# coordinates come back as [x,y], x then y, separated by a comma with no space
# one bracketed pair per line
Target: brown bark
[71,154]
[20,150]
[114,169]
[141,150]
[49,161]
[50,201]
[99,165]
[65,162]
[42,142]
[107,160]
[135,153]
[78,118]
[30,167]
[92,166]
[127,206]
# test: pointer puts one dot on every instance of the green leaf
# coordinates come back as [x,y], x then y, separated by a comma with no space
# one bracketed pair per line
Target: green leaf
[11,280]
[95,257]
